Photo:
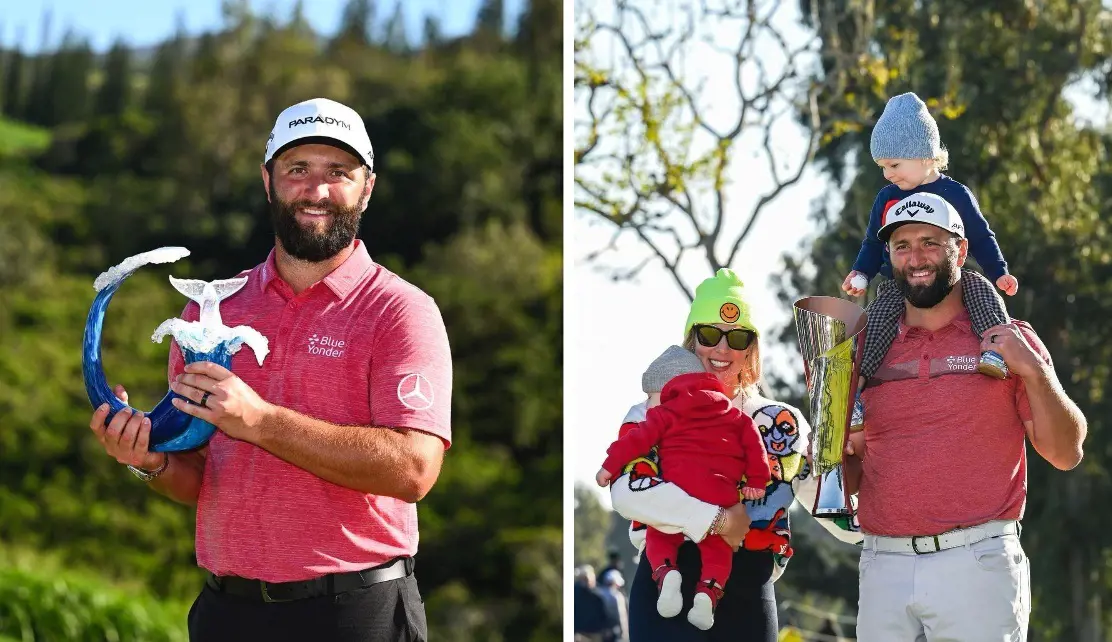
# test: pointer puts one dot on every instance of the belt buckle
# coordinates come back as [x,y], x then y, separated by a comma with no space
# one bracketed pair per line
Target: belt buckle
[266,595]
[915,547]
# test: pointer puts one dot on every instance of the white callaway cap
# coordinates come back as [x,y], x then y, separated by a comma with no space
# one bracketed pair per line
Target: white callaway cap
[922,207]
[324,121]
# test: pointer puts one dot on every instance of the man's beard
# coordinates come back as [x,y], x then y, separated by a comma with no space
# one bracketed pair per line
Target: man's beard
[928,296]
[306,243]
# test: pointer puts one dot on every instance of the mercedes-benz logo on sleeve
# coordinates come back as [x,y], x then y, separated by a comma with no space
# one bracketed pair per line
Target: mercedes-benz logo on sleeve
[415,392]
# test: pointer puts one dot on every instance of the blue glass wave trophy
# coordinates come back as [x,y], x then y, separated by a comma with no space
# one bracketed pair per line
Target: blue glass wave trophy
[206,339]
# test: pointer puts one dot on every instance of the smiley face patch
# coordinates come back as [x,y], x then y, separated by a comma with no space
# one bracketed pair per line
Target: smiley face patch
[729,312]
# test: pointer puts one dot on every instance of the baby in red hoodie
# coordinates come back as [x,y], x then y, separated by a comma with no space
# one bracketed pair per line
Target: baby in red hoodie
[707,447]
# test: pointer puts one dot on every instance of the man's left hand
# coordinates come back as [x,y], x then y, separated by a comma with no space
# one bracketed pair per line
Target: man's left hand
[231,404]
[1007,341]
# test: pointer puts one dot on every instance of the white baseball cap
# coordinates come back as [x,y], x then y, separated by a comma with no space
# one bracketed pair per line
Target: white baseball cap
[323,121]
[921,207]
[612,577]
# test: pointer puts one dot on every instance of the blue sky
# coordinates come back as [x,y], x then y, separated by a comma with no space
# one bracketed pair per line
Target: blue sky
[147,22]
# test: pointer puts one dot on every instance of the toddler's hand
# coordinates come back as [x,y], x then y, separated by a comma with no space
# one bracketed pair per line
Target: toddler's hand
[853,286]
[1009,284]
[602,477]
[748,492]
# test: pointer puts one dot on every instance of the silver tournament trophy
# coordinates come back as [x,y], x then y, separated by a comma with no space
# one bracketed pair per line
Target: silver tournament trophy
[827,329]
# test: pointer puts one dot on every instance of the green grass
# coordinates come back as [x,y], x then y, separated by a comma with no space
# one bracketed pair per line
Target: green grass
[20,139]
[45,603]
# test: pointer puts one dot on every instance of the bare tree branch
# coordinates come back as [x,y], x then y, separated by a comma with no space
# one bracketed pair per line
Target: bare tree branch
[656,158]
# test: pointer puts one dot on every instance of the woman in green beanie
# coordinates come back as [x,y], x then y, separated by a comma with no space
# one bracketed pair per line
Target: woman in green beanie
[722,333]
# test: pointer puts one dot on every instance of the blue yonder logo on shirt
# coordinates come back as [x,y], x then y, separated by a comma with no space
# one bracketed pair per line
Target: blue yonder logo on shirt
[326,346]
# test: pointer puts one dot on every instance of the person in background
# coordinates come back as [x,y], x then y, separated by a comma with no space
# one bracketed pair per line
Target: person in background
[613,564]
[591,621]
[610,585]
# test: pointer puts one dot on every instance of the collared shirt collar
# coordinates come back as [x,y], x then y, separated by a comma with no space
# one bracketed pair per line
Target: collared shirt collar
[961,321]
[340,281]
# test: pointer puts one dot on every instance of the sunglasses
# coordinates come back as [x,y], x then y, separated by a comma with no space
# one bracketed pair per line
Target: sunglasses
[737,338]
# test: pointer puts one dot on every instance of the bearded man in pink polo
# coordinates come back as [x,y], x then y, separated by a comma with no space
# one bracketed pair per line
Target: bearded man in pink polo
[305,496]
[942,466]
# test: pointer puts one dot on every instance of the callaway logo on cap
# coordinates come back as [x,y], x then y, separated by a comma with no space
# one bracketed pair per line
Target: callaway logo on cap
[922,207]
[323,119]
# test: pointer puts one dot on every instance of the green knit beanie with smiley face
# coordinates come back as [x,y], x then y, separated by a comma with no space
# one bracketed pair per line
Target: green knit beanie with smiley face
[721,299]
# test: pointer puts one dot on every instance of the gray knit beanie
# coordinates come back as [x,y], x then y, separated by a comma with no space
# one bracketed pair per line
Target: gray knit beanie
[674,362]
[905,130]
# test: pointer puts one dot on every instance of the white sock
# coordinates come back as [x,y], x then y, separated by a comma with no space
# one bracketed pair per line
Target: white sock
[702,612]
[670,602]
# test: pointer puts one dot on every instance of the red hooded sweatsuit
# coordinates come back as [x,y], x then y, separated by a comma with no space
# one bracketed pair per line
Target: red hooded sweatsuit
[706,446]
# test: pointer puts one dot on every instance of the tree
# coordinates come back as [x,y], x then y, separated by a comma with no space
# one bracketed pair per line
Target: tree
[492,17]
[592,524]
[170,61]
[656,158]
[60,91]
[535,32]
[431,32]
[395,38]
[13,95]
[357,22]
[298,22]
[114,94]
[4,69]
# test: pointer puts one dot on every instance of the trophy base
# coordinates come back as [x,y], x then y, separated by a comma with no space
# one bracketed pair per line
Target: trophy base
[992,364]
[831,500]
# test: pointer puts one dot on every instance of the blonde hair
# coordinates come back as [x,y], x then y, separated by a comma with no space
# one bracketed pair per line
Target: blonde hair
[750,376]
[942,161]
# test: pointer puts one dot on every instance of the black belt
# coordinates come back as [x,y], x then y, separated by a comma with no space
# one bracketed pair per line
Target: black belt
[325,585]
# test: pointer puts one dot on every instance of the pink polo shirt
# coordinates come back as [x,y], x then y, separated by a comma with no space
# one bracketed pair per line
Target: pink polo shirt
[361,348]
[945,445]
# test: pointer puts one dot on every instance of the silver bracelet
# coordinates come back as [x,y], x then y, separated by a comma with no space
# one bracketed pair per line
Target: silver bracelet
[718,522]
[149,475]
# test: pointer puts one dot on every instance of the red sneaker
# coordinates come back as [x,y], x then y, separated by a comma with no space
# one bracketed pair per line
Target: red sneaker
[669,601]
[702,610]
[662,570]
[712,589]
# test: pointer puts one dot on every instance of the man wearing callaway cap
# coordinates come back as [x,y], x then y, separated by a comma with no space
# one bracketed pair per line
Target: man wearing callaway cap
[305,495]
[941,468]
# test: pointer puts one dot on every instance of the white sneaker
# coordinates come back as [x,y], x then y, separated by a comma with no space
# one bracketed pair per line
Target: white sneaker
[670,602]
[702,612]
